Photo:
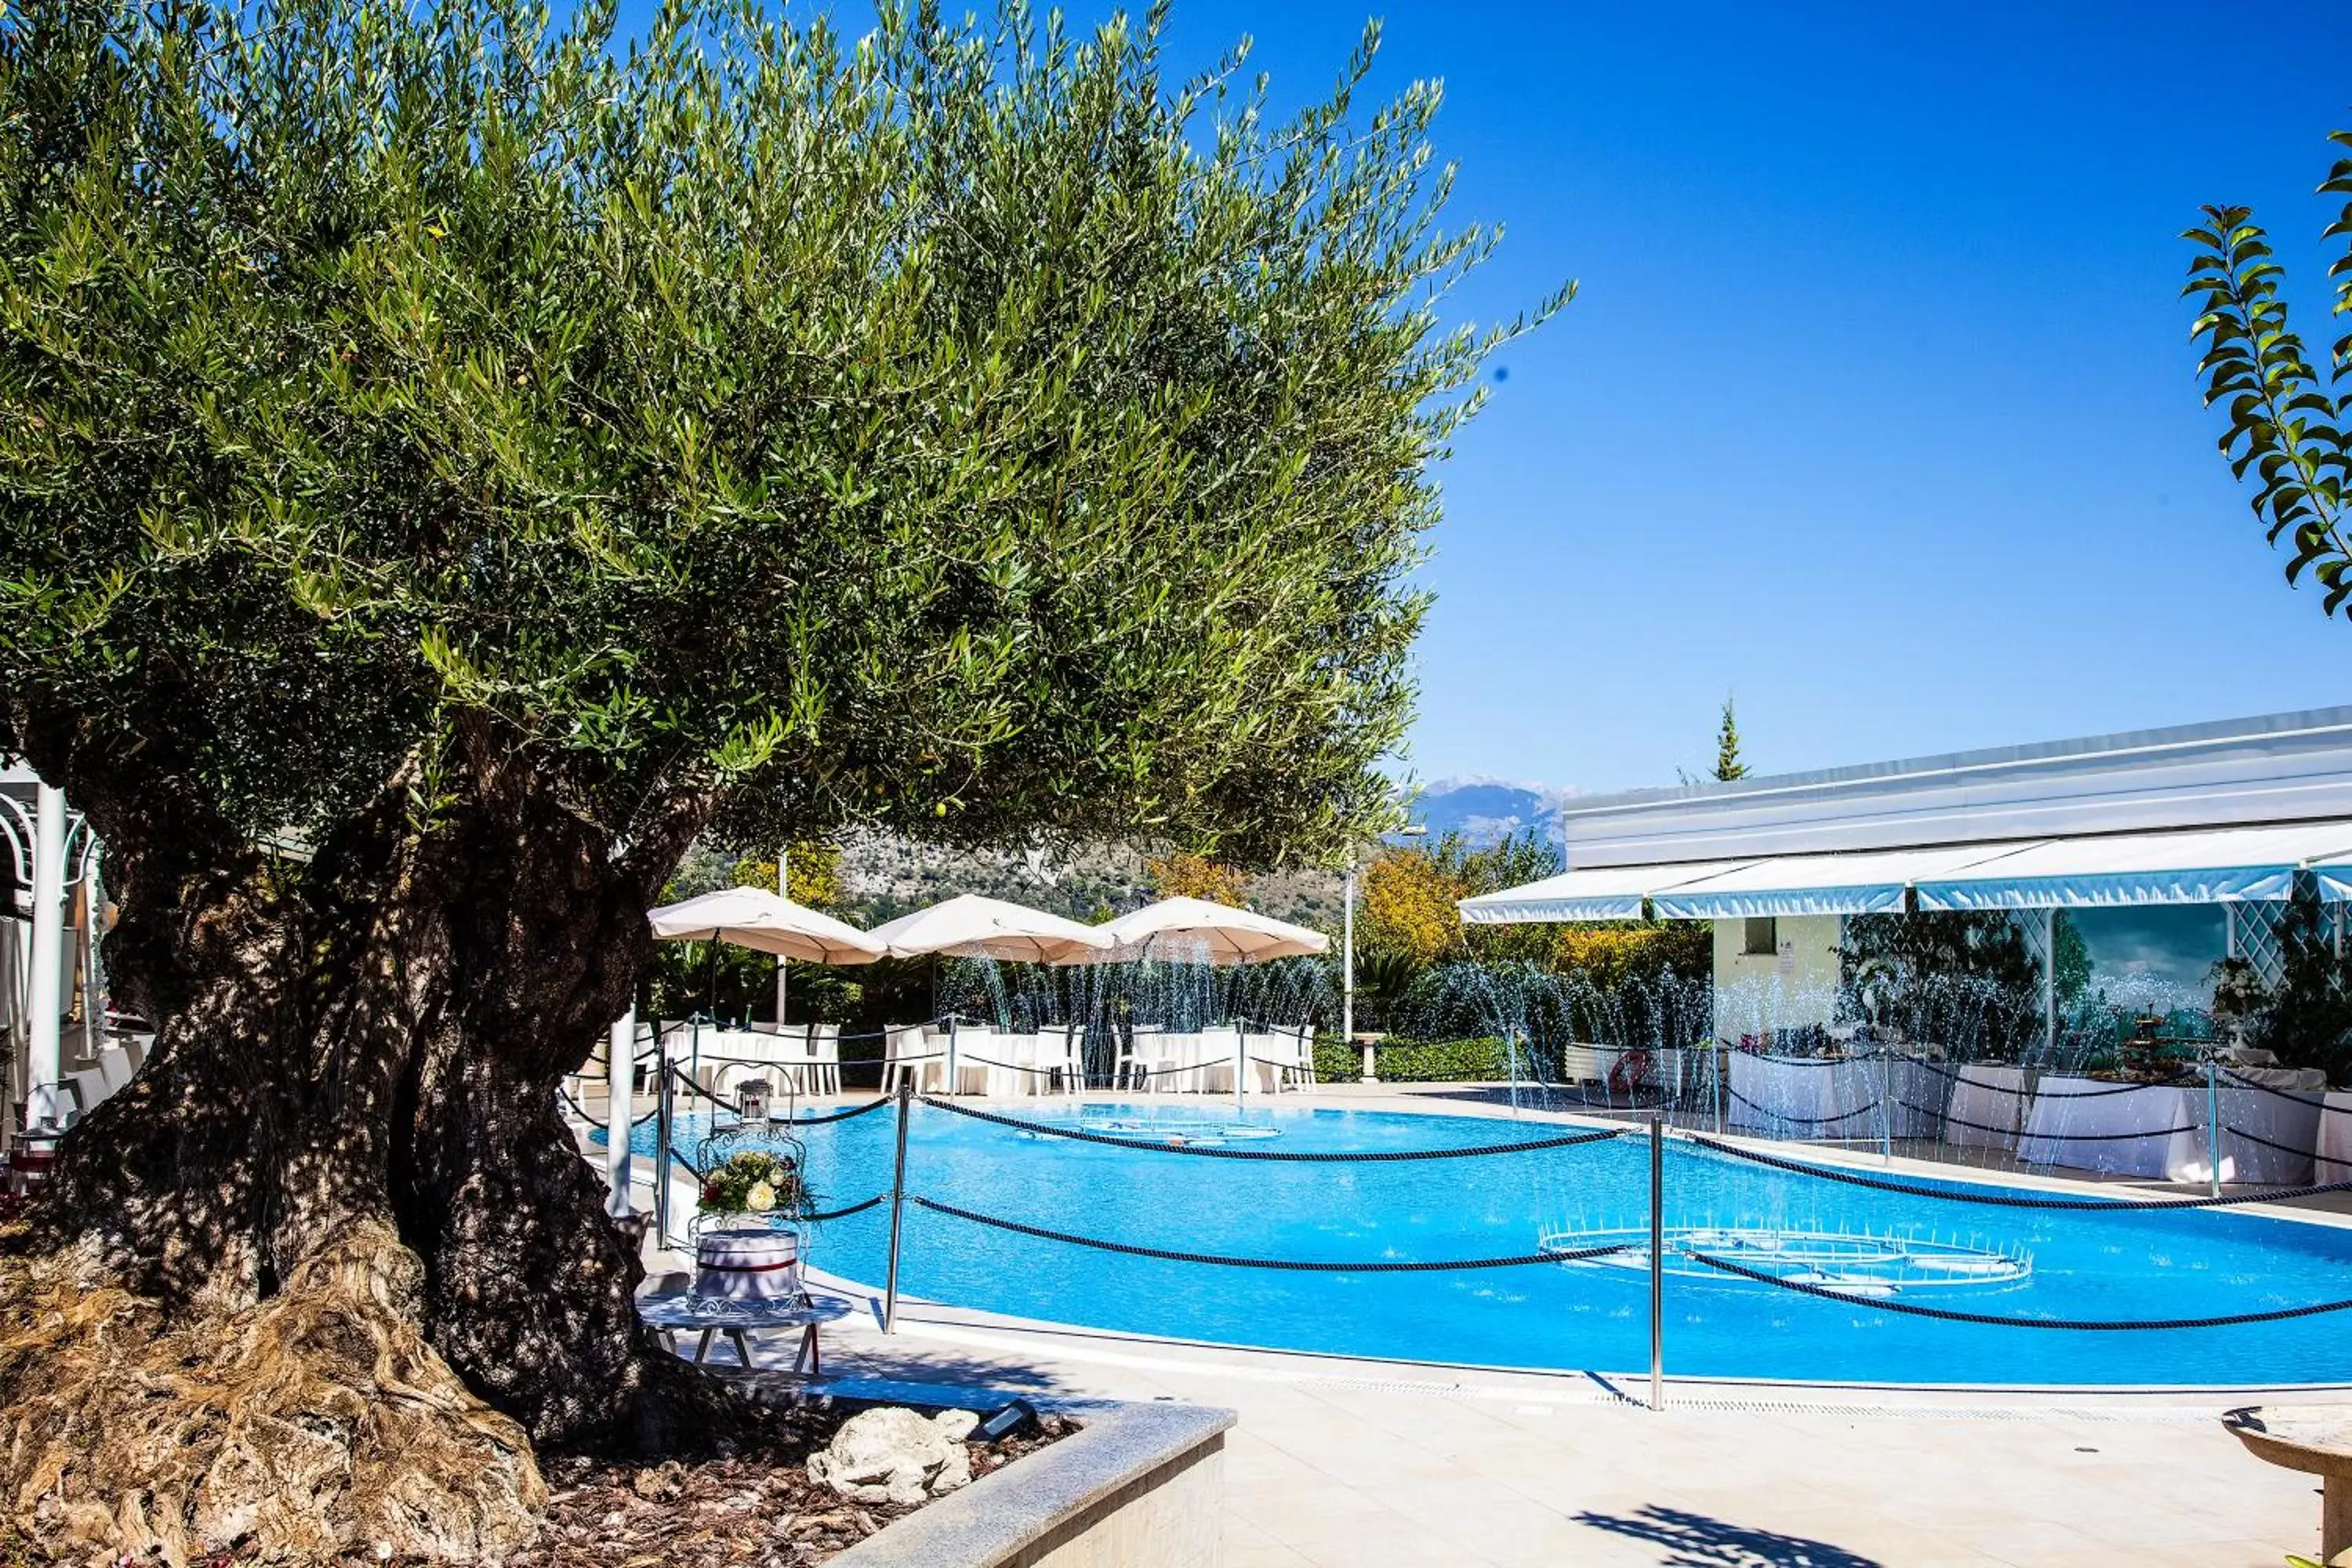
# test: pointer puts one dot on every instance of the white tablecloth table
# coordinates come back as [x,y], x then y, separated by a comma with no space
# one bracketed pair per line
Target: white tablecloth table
[2332,1139]
[2090,1125]
[2161,1130]
[2280,1106]
[1804,1097]
[1987,1108]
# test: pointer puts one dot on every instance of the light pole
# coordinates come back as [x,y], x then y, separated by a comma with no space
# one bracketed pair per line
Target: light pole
[784,889]
[1348,953]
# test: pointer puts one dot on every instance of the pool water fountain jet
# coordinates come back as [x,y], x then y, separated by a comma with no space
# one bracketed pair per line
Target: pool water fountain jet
[1858,1262]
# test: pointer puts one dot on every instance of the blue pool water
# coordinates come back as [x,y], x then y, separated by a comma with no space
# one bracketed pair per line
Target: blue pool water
[2113,1263]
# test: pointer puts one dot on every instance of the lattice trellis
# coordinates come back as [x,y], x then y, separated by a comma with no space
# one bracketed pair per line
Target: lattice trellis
[2033,925]
[2256,927]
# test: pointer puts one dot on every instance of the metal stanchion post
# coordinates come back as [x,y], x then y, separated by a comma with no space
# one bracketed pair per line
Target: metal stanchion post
[1658,1263]
[897,1202]
[665,1113]
[955,1083]
[1241,1063]
[1511,1042]
[2213,1124]
[1718,1087]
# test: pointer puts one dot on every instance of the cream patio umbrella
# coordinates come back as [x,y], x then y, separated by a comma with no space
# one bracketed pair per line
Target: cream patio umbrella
[767,923]
[970,926]
[1196,930]
[1215,933]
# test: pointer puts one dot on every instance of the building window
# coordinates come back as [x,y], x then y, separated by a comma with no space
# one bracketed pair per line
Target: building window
[1763,938]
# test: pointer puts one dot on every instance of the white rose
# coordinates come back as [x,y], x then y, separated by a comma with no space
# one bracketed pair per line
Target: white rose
[760,1199]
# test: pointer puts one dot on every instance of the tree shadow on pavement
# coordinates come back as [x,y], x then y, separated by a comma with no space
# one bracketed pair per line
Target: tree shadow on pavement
[1695,1540]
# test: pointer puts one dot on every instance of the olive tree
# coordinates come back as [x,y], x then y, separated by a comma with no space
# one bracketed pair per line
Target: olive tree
[451,461]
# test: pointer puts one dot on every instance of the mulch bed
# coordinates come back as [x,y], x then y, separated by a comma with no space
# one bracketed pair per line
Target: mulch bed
[756,1508]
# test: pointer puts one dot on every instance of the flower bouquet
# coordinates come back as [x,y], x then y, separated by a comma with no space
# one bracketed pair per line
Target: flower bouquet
[755,1181]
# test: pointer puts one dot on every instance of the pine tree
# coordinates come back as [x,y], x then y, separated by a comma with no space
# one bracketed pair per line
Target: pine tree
[1727,765]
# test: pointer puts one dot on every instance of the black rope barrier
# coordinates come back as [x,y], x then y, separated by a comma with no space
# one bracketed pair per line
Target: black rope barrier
[1799,1121]
[633,1125]
[2106,1093]
[1132,1070]
[1376,1156]
[1286,1264]
[1951,1121]
[2052,1137]
[965,1059]
[1948,1315]
[2280,1093]
[2121,1204]
[2228,1132]
[868,1109]
[2061,1136]
[693,1087]
[845,1214]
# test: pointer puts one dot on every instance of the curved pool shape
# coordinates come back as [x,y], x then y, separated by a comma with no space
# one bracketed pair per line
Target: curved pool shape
[2118,1263]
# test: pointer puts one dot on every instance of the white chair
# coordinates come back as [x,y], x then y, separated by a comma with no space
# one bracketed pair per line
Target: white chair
[1062,1057]
[824,1052]
[1283,1058]
[793,1047]
[907,1056]
[1220,1059]
[1137,1057]
[88,1091]
[1302,1036]
[114,1068]
[967,1041]
[1581,1065]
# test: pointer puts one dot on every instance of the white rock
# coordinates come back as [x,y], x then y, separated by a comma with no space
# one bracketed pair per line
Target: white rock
[895,1455]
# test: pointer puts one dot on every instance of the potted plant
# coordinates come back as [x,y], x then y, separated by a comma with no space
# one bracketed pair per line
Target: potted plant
[757,1184]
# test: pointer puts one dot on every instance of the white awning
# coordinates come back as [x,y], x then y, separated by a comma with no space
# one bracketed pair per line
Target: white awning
[2204,866]
[1600,893]
[2335,878]
[1866,882]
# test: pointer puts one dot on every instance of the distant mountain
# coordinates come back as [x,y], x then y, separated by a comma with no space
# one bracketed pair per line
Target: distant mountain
[1485,810]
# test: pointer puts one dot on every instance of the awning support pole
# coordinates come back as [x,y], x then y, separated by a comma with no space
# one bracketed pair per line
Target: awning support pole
[2213,1125]
[620,1084]
[45,1065]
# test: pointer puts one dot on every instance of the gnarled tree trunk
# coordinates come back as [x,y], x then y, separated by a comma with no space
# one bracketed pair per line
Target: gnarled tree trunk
[331,1261]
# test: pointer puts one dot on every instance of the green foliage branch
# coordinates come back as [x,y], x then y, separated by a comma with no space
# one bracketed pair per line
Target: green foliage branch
[2288,423]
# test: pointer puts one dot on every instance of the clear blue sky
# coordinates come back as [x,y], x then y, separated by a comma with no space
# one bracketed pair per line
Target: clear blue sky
[1877,408]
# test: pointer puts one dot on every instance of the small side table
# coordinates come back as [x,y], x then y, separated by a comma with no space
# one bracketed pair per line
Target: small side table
[2316,1440]
[672,1310]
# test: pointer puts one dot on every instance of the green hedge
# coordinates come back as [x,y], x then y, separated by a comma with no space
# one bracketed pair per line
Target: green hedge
[1415,1061]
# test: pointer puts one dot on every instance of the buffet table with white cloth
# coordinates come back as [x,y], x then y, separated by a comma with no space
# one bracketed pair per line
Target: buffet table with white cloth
[2159,1130]
[1986,1109]
[2333,1140]
[1828,1097]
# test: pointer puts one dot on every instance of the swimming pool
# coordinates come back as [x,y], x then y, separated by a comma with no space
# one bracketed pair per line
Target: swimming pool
[2114,1263]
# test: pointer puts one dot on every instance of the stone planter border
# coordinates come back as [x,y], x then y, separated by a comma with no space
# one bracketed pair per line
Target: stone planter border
[1136,1484]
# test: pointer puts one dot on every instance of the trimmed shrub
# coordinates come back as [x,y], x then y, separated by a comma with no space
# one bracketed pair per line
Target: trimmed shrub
[1481,1059]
